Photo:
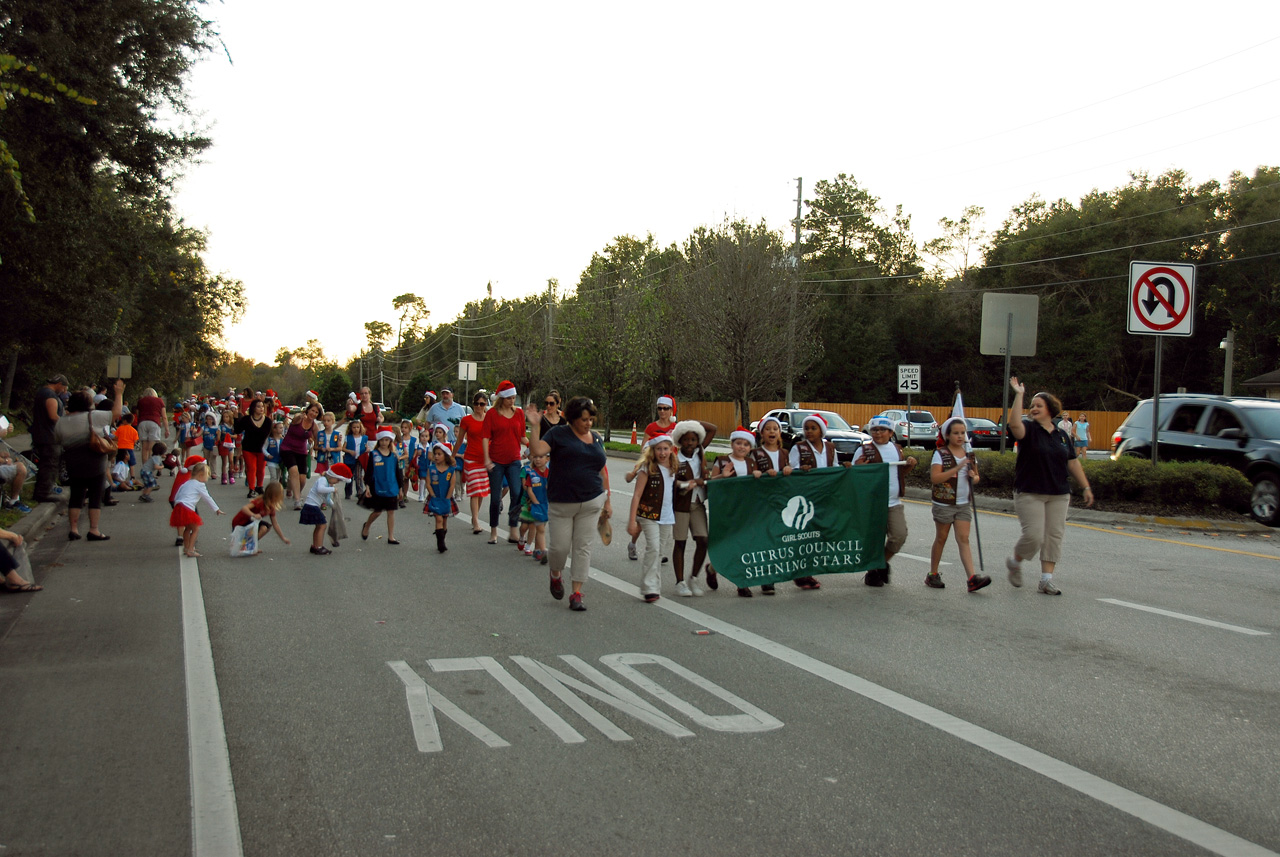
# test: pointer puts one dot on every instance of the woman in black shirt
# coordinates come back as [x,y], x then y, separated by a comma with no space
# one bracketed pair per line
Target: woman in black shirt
[1045,456]
[577,491]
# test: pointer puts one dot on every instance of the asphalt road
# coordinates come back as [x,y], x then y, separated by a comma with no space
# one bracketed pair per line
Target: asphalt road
[392,700]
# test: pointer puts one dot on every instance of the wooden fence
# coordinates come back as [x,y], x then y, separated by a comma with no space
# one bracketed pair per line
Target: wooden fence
[1102,424]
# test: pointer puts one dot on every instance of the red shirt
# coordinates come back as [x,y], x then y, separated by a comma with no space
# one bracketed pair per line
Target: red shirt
[369,419]
[652,430]
[258,507]
[504,434]
[471,430]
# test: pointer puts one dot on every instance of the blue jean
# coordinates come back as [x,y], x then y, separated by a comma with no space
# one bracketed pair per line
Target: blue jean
[511,473]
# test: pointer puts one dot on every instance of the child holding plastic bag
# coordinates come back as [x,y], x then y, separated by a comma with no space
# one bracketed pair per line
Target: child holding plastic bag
[263,510]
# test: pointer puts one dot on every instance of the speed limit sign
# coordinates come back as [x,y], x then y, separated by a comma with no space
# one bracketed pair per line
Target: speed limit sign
[909,379]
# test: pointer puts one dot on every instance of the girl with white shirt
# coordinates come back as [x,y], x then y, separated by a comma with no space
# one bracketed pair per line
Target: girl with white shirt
[653,513]
[953,473]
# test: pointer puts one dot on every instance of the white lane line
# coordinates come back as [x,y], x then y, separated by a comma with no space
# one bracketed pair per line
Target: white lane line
[920,558]
[1166,818]
[215,823]
[1186,618]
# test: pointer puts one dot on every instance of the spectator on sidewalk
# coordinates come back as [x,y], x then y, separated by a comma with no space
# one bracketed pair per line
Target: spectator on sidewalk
[86,466]
[153,421]
[449,412]
[13,582]
[45,415]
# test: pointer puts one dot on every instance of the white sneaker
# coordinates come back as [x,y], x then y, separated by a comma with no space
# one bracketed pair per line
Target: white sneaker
[631,550]
[1046,587]
[1015,570]
[695,588]
[682,589]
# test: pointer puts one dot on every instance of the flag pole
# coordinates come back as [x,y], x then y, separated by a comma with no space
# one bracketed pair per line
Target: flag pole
[973,498]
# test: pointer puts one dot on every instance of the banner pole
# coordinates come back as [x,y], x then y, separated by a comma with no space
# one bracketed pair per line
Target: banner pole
[973,494]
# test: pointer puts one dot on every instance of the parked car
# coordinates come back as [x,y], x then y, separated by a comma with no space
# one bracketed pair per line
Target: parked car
[1240,432]
[845,437]
[909,425]
[985,434]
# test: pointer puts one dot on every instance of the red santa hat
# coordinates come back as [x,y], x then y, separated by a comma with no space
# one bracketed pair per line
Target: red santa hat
[192,461]
[384,432]
[506,390]
[819,420]
[657,439]
[340,471]
[741,433]
[667,402]
[430,394]
[313,395]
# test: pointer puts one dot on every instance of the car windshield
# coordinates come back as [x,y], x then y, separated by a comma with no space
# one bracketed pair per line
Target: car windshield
[1265,420]
[835,422]
[920,417]
[979,423]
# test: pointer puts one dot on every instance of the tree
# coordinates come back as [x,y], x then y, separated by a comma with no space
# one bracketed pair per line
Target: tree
[377,332]
[333,387]
[739,281]
[413,314]
[961,241]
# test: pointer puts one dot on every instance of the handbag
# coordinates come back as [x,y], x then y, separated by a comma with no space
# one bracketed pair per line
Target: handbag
[100,443]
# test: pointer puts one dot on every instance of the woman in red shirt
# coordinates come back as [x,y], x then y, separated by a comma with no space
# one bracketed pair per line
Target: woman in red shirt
[368,413]
[502,435]
[474,473]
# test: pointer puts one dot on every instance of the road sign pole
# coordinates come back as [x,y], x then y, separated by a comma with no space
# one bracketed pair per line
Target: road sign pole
[1155,407]
[1008,370]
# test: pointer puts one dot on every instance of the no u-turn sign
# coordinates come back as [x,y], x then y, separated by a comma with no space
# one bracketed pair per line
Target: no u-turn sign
[1161,298]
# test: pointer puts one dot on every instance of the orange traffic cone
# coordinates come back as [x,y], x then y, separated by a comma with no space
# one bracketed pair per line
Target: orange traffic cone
[633,431]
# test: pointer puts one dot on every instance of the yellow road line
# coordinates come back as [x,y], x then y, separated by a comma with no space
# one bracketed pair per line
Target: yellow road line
[1115,532]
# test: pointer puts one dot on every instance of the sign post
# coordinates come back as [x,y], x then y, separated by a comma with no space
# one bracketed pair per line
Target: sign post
[908,382]
[467,372]
[1160,300]
[1009,327]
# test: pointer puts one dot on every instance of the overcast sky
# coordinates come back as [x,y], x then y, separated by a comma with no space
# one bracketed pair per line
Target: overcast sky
[362,151]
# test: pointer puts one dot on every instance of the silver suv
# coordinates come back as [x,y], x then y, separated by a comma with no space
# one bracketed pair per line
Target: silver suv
[909,425]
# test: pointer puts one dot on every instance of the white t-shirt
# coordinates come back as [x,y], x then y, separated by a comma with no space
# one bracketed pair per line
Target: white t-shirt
[667,517]
[962,481]
[319,493]
[739,465]
[775,456]
[695,465]
[819,455]
[889,455]
[120,471]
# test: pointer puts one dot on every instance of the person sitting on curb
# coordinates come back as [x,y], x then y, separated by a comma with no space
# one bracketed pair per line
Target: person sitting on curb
[13,582]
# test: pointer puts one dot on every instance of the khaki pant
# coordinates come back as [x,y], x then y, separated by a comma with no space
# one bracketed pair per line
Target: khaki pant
[571,529]
[1044,519]
[657,543]
[896,536]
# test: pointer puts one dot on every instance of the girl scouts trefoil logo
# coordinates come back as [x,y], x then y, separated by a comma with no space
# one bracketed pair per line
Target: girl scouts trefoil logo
[797,513]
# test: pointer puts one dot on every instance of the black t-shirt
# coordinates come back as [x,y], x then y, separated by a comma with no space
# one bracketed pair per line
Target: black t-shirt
[575,466]
[41,425]
[1042,460]
[255,437]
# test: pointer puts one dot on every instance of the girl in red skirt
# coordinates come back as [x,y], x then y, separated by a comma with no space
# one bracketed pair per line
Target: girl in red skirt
[184,514]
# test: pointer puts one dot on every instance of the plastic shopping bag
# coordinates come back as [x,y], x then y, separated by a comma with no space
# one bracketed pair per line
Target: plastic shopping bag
[244,540]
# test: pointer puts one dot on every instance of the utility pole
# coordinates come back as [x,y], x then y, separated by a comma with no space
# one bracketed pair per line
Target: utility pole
[795,258]
[551,309]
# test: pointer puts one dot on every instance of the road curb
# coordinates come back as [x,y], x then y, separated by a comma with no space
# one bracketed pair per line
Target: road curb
[33,525]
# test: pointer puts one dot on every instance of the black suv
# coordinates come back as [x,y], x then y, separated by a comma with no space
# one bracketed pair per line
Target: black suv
[844,437]
[1243,433]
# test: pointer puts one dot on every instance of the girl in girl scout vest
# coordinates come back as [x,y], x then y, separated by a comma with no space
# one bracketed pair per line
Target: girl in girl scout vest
[953,474]
[815,450]
[691,438]
[738,463]
[653,512]
[883,448]
[771,459]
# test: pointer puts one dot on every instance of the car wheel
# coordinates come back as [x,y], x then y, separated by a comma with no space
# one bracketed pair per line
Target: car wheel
[1265,503]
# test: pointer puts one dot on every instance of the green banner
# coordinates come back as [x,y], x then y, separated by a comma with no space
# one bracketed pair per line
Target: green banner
[778,528]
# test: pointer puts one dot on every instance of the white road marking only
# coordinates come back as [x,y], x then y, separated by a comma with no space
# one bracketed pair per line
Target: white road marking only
[1186,618]
[215,823]
[1166,818]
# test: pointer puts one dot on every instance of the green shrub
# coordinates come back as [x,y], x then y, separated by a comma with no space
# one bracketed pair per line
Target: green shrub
[1127,479]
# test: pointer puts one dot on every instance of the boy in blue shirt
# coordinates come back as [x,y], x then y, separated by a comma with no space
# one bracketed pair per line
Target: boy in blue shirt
[534,478]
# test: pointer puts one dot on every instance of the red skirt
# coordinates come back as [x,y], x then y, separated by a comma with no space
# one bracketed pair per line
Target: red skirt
[184,516]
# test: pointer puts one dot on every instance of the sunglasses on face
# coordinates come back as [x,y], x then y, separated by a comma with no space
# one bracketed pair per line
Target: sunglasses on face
[550,403]
[663,408]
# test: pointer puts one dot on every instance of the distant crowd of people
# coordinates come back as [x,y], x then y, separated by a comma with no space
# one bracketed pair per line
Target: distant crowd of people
[547,464]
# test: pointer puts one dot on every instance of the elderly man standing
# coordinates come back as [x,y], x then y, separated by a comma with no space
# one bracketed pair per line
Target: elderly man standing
[45,415]
[447,411]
